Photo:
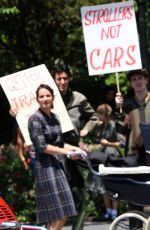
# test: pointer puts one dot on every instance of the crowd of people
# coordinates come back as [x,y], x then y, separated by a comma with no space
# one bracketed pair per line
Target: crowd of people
[59,182]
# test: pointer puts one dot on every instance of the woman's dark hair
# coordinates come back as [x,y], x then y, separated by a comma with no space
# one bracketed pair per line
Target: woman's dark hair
[44,86]
[136,72]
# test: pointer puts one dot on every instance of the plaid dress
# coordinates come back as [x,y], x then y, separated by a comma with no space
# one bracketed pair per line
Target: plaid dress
[54,199]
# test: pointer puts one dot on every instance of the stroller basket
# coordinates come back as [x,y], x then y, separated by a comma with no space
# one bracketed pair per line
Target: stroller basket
[8,220]
[129,184]
[5,212]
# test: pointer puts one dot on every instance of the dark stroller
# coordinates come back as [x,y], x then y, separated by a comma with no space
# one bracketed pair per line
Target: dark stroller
[130,184]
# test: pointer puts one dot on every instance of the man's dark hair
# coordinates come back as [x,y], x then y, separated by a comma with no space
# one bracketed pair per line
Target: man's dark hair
[59,68]
[132,73]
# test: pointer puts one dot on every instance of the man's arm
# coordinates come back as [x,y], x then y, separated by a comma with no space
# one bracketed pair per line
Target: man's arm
[90,117]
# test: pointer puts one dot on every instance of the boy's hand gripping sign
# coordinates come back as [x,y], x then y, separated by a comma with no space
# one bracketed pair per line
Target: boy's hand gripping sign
[111,38]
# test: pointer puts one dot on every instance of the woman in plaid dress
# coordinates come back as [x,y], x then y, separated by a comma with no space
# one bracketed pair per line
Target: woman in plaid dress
[53,195]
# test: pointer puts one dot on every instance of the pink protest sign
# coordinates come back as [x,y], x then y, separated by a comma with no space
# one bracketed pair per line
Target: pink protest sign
[111,38]
[20,90]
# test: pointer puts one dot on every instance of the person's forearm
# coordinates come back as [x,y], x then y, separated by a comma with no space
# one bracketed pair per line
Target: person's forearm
[51,149]
[54,150]
[90,125]
[68,146]
[21,155]
[113,144]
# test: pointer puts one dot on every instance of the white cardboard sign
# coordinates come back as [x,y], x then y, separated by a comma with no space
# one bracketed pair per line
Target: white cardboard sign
[111,38]
[20,90]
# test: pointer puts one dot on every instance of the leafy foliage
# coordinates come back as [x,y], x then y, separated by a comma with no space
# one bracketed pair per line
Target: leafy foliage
[16,186]
[36,32]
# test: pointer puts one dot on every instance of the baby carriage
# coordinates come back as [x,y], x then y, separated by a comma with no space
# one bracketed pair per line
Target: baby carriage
[130,184]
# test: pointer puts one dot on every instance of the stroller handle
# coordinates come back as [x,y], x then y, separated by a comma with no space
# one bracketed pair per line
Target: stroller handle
[90,167]
[84,157]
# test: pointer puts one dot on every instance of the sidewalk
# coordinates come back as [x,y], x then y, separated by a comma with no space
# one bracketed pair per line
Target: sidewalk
[99,225]
[92,226]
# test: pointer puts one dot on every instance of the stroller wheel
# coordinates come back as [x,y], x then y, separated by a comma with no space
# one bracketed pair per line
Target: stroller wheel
[148,224]
[132,220]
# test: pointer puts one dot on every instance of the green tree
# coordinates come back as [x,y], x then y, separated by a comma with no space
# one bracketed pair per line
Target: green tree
[35,32]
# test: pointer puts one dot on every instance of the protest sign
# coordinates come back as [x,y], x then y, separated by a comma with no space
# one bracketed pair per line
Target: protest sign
[111,38]
[20,90]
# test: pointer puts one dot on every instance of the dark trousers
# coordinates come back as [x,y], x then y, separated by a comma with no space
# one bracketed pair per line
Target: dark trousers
[76,182]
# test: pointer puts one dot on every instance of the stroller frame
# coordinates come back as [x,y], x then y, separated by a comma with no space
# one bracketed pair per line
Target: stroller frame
[130,184]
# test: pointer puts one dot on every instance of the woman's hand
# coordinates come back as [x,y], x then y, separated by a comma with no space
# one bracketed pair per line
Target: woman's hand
[76,154]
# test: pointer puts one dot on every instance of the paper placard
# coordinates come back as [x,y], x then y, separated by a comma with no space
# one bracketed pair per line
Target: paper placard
[111,38]
[20,90]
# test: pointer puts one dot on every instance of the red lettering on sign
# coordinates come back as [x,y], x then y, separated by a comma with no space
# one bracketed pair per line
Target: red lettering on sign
[110,32]
[21,81]
[118,56]
[107,59]
[33,77]
[108,15]
[112,57]
[15,83]
[26,100]
[99,16]
[23,101]
[87,19]
[129,51]
[95,52]
[14,104]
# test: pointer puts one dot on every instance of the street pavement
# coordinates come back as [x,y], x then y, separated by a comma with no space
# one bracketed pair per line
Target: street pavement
[92,226]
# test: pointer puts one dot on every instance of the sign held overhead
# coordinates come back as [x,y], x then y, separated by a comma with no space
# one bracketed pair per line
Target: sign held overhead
[111,38]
